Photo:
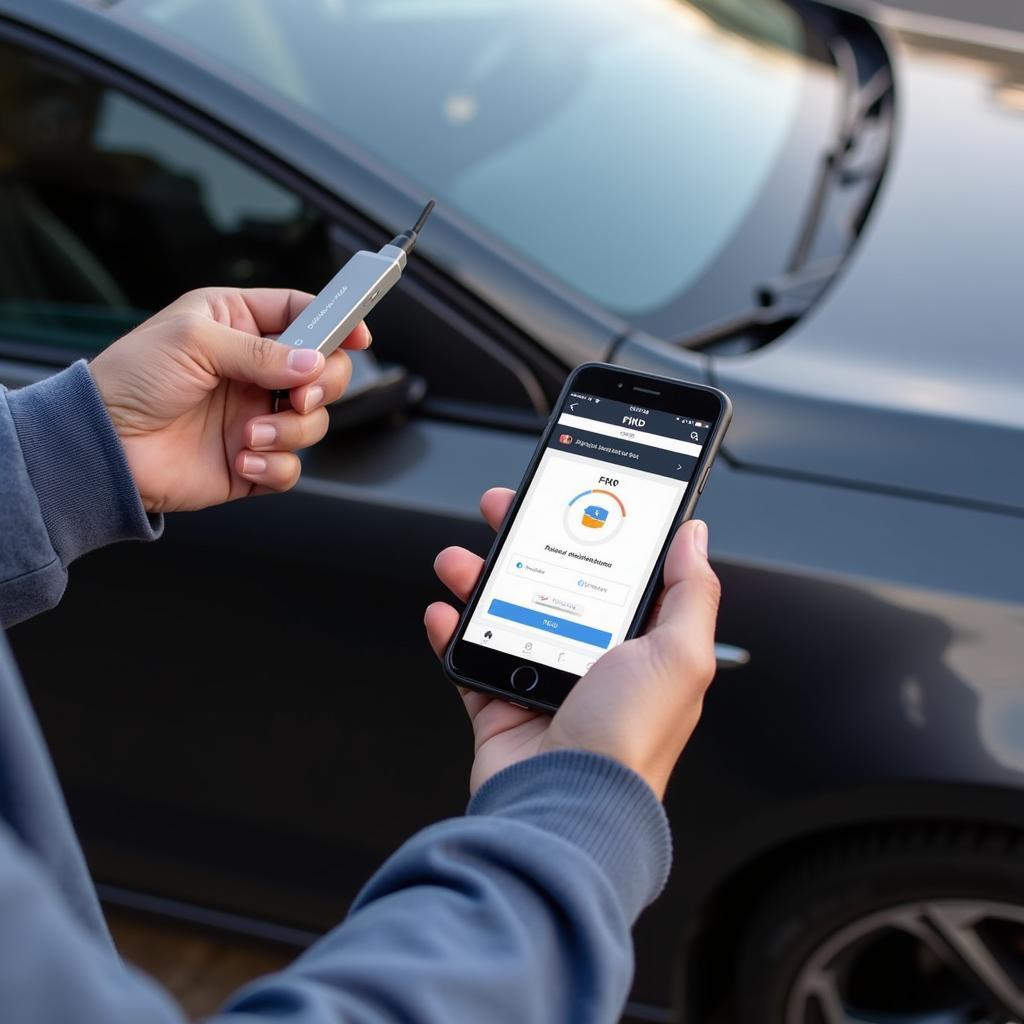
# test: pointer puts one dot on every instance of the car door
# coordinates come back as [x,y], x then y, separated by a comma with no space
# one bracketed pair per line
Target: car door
[246,714]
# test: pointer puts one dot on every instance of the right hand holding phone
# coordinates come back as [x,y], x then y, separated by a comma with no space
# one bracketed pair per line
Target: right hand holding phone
[639,703]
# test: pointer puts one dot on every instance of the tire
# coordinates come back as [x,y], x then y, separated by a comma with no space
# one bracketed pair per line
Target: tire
[915,926]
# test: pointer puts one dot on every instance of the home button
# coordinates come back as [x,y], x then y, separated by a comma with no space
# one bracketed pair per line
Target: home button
[524,678]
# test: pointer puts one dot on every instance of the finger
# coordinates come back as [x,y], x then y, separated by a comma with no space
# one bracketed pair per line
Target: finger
[655,613]
[495,504]
[458,569]
[235,355]
[474,701]
[262,310]
[492,716]
[327,388]
[440,620]
[689,606]
[286,431]
[257,310]
[359,338]
[276,471]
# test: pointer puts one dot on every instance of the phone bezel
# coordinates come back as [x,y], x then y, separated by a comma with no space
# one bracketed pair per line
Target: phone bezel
[478,667]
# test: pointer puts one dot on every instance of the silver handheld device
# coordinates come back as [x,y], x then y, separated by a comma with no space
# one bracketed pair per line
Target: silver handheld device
[351,294]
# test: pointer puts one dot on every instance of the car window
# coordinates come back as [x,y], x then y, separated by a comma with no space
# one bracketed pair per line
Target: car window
[109,210]
[655,155]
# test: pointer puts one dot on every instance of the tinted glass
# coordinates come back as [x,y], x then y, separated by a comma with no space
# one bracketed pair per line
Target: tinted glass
[627,147]
[109,210]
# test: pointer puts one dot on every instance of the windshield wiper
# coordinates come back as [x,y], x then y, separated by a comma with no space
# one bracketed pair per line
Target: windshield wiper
[780,302]
[832,171]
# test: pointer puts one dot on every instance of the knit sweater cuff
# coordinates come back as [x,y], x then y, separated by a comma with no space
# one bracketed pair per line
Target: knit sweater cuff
[77,466]
[595,803]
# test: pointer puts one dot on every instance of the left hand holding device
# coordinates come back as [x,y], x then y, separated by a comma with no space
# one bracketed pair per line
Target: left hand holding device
[189,393]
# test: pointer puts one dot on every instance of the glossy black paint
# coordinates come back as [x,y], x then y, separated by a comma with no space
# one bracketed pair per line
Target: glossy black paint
[866,520]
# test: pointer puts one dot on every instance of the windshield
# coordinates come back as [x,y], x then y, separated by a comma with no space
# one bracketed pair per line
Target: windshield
[654,155]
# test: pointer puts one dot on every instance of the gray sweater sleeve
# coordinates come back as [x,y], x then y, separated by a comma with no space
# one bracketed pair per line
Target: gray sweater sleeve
[518,913]
[66,489]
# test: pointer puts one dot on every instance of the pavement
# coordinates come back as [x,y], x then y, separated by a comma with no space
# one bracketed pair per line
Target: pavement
[199,966]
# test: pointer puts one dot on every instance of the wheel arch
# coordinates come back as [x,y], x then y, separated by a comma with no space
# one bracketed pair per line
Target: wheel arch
[708,949]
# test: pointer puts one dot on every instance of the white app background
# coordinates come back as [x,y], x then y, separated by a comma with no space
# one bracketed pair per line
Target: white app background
[571,573]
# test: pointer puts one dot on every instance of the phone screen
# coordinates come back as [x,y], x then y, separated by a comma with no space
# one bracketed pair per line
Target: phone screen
[575,563]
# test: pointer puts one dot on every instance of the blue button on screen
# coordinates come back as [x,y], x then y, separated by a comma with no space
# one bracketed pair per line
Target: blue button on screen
[550,623]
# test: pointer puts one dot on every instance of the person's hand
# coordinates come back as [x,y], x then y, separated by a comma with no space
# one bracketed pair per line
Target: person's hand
[189,395]
[638,704]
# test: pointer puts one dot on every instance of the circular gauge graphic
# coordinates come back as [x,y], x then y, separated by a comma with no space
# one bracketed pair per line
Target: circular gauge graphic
[594,516]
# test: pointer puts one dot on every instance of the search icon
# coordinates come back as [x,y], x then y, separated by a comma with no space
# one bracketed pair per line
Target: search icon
[694,436]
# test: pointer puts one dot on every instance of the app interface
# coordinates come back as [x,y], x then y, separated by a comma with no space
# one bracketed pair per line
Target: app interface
[570,575]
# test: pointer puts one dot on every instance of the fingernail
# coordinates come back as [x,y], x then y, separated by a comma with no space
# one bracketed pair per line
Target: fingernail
[302,360]
[263,434]
[700,537]
[314,396]
[369,337]
[254,465]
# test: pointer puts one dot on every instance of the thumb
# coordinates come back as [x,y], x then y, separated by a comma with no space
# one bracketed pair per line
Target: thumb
[240,356]
[689,607]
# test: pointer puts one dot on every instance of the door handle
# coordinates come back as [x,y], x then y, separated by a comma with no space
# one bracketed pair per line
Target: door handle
[727,656]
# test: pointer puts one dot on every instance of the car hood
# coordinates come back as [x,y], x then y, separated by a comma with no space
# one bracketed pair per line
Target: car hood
[909,374]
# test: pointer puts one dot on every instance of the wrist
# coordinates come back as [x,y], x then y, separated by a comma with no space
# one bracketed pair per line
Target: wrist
[120,418]
[651,769]
[97,368]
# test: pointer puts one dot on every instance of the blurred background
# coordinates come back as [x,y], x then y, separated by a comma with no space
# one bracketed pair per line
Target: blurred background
[815,206]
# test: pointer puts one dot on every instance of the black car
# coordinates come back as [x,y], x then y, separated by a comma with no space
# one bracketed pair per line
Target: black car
[819,212]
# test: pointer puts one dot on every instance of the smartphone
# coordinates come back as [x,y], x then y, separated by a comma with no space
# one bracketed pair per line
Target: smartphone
[578,561]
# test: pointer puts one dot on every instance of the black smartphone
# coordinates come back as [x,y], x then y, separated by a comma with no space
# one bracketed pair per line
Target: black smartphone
[578,561]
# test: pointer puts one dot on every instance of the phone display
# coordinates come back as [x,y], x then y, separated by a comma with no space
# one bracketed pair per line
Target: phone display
[620,465]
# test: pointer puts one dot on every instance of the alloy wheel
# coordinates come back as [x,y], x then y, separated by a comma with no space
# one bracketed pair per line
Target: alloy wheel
[940,961]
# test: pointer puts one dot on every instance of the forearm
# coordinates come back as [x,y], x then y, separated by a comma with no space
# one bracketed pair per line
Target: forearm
[521,912]
[66,489]
[518,913]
